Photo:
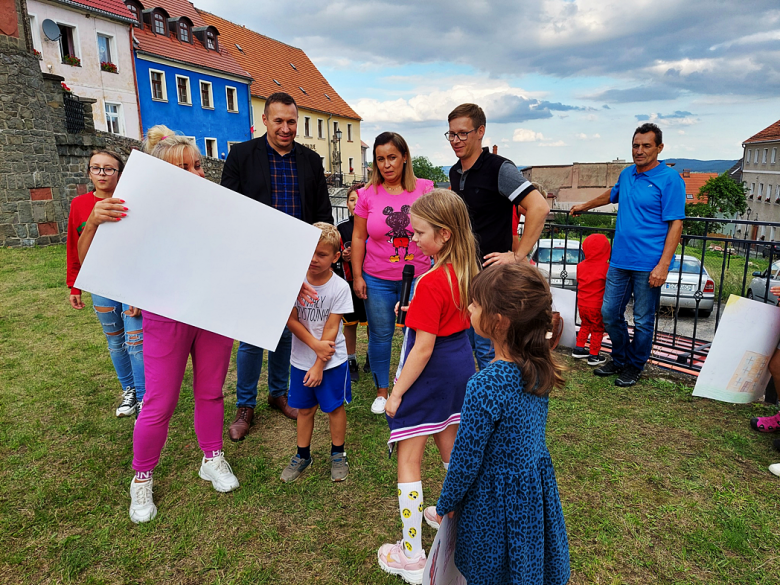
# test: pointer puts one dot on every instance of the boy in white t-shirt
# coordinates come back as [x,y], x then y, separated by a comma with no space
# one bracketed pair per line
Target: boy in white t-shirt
[319,372]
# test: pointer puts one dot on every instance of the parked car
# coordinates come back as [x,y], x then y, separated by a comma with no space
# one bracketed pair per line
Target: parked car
[694,282]
[549,256]
[758,289]
[772,249]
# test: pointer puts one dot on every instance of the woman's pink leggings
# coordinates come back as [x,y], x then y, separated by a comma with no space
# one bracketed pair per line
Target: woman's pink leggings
[167,345]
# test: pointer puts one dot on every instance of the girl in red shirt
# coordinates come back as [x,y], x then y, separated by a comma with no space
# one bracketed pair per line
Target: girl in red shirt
[121,323]
[436,363]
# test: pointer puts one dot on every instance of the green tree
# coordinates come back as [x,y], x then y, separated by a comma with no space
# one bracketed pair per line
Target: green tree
[725,198]
[425,169]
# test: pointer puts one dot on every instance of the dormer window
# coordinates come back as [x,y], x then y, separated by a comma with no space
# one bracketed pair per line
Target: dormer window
[133,8]
[211,41]
[159,24]
[184,32]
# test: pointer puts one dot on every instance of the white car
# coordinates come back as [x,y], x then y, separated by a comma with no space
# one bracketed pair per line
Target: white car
[549,256]
[695,285]
[758,286]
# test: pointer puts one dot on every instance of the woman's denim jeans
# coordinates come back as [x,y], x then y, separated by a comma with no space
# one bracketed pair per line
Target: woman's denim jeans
[620,286]
[381,297]
[249,366]
[125,342]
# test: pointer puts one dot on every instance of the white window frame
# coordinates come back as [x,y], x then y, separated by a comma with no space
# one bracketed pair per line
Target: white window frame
[320,128]
[235,99]
[322,158]
[206,145]
[307,126]
[763,158]
[760,190]
[211,94]
[755,159]
[351,164]
[111,47]
[349,132]
[747,156]
[76,41]
[120,117]
[232,144]
[189,90]
[164,86]
[36,35]
[774,155]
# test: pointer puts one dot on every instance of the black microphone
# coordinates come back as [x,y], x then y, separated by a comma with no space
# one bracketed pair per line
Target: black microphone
[406,292]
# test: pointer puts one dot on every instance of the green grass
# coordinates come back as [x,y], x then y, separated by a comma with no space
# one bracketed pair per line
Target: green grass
[657,486]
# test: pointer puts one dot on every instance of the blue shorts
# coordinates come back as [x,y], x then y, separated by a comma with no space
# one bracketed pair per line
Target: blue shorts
[334,390]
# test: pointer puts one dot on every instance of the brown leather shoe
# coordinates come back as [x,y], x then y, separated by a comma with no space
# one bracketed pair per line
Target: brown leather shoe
[240,426]
[280,403]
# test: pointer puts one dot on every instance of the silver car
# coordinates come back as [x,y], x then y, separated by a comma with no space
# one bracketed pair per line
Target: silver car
[549,257]
[695,285]
[758,289]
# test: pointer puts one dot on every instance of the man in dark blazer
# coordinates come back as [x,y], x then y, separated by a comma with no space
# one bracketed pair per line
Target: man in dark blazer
[275,171]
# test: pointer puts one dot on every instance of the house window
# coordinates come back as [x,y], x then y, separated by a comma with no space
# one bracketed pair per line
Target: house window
[307,126]
[67,44]
[774,155]
[320,128]
[134,10]
[231,144]
[35,34]
[114,120]
[335,128]
[763,158]
[755,160]
[183,89]
[206,97]
[159,24]
[747,157]
[211,41]
[760,189]
[351,165]
[349,134]
[211,147]
[159,91]
[104,48]
[322,158]
[232,101]
[184,32]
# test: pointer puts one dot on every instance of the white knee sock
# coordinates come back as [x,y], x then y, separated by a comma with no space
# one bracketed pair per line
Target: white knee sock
[410,502]
[446,465]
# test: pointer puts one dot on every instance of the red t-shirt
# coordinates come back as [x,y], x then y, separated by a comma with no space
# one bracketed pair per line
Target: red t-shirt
[432,308]
[80,208]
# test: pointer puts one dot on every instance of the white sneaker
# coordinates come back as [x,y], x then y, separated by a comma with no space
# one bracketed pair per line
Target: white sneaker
[142,508]
[129,403]
[138,412]
[378,406]
[219,473]
[430,517]
[775,468]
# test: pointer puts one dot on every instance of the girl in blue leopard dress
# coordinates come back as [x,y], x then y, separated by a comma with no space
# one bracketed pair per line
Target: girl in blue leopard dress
[501,478]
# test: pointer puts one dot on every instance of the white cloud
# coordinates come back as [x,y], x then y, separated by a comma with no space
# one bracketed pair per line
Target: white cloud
[583,136]
[555,144]
[525,135]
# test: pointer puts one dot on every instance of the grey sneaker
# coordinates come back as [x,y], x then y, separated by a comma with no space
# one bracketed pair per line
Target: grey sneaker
[596,360]
[294,470]
[339,468]
[129,403]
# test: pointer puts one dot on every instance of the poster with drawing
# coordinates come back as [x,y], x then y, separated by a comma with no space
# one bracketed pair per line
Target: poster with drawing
[196,252]
[440,567]
[565,302]
[736,367]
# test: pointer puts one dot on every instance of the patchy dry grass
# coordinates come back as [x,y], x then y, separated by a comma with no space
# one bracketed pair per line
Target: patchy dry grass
[657,487]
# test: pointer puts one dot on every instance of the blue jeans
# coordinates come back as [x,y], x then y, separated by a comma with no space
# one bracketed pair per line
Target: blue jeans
[482,348]
[620,286]
[381,297]
[249,365]
[125,342]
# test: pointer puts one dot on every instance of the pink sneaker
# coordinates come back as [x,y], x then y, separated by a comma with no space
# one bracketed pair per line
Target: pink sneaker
[430,517]
[393,560]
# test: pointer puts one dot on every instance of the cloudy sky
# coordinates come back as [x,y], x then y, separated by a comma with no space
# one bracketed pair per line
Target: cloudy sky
[559,80]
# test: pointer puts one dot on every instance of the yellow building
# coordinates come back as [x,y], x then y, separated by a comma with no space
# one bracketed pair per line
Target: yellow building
[275,66]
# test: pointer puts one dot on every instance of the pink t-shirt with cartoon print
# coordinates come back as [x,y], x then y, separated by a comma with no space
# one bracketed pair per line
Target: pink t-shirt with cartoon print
[389,246]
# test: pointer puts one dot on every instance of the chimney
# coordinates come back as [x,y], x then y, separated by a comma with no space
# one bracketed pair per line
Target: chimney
[686,172]
[495,149]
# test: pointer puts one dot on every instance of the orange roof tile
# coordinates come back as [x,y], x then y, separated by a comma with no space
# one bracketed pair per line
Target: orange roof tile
[107,7]
[769,133]
[267,60]
[693,183]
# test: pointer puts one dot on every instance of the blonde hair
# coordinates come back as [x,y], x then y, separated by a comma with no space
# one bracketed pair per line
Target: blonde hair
[443,209]
[164,143]
[408,180]
[330,235]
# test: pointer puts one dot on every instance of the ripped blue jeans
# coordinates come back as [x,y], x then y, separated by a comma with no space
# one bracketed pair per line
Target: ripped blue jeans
[125,342]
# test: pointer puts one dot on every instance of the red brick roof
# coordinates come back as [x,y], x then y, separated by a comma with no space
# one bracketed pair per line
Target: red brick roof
[194,53]
[694,182]
[769,133]
[268,60]
[107,7]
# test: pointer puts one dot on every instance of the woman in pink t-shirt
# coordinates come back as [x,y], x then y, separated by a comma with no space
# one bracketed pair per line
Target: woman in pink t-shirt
[382,245]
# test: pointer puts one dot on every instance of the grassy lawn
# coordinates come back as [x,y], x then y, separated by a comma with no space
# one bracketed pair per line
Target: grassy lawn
[657,487]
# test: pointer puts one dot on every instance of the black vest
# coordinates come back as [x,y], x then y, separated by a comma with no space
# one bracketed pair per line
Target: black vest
[490,212]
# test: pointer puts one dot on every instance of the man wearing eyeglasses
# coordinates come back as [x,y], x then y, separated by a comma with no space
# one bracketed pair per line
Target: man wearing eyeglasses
[491,186]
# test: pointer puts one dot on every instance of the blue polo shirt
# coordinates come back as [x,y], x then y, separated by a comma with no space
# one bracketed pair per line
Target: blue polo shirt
[647,202]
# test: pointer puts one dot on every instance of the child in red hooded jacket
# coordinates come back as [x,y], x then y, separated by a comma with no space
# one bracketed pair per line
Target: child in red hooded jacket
[591,280]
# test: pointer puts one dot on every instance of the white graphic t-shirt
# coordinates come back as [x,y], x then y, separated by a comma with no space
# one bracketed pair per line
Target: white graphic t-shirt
[334,297]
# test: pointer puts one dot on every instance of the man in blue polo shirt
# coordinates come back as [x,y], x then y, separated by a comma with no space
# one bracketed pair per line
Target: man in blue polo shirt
[651,198]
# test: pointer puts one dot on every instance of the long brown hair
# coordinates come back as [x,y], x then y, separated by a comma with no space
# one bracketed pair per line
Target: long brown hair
[520,295]
[408,180]
[443,209]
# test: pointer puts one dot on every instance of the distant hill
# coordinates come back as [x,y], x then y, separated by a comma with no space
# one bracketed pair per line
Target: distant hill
[701,166]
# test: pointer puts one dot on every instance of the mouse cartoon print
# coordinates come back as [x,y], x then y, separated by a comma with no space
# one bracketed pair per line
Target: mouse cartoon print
[399,236]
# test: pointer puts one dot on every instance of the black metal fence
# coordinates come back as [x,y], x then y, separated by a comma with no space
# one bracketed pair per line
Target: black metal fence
[74,113]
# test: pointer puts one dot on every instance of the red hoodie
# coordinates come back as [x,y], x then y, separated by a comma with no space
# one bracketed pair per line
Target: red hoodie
[592,272]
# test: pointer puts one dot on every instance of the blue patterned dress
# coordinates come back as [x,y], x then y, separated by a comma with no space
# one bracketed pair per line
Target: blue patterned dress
[501,478]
